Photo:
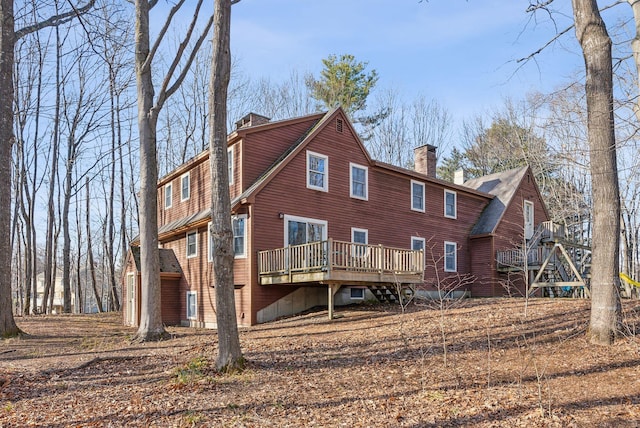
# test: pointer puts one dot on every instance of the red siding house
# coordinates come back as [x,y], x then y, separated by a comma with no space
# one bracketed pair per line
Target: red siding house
[316,221]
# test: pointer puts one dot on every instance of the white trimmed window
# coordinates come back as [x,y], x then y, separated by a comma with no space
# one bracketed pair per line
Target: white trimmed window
[418,243]
[359,236]
[185,186]
[417,196]
[168,195]
[357,293]
[359,188]
[317,167]
[192,305]
[450,257]
[239,224]
[192,244]
[528,219]
[230,168]
[450,202]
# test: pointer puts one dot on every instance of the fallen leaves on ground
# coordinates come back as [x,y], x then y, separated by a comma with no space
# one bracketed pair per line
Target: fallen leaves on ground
[478,362]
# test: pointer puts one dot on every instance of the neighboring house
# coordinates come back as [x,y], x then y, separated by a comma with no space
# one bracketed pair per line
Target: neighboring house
[58,294]
[316,221]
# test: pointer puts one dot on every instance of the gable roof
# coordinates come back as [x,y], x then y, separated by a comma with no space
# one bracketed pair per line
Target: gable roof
[503,186]
[293,151]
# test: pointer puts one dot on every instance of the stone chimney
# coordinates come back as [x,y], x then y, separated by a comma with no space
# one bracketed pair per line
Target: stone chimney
[459,177]
[252,119]
[424,159]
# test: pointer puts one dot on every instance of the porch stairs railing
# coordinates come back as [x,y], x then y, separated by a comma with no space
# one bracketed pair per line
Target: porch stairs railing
[555,261]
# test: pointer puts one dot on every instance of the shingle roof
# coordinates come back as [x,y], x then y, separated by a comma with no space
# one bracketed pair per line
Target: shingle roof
[168,261]
[503,186]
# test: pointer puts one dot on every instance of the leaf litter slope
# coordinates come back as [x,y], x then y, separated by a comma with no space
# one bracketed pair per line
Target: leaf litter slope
[479,362]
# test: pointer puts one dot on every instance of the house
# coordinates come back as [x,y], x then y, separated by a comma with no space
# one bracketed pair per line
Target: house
[58,292]
[317,221]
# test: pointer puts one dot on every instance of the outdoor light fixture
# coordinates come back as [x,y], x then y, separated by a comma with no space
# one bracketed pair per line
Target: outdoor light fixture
[281,215]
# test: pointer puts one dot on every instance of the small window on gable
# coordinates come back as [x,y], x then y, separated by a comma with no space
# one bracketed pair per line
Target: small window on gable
[450,257]
[192,305]
[317,168]
[359,181]
[417,196]
[168,195]
[231,169]
[192,244]
[185,187]
[450,209]
[339,125]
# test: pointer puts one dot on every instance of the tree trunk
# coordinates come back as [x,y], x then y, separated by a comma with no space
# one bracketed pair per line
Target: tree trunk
[8,325]
[151,327]
[90,260]
[229,353]
[596,47]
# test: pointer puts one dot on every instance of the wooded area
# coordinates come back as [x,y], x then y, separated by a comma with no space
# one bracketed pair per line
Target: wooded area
[76,151]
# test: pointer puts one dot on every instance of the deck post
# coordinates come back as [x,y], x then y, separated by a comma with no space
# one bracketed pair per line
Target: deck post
[333,289]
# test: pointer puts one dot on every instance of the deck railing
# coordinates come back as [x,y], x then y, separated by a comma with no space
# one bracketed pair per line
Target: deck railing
[337,255]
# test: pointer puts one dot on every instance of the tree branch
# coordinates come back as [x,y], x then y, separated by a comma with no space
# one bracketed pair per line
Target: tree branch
[162,33]
[55,20]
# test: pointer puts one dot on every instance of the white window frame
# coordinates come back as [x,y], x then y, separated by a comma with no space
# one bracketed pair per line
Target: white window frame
[423,243]
[195,234]
[168,190]
[209,243]
[325,181]
[230,165]
[424,202]
[529,224]
[353,166]
[288,218]
[358,251]
[193,316]
[352,297]
[244,235]
[447,254]
[454,195]
[185,177]
[131,299]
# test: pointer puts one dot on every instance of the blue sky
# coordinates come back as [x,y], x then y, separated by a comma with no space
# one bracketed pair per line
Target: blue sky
[459,52]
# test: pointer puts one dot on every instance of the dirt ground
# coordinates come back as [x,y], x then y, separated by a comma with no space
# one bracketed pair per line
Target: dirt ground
[478,362]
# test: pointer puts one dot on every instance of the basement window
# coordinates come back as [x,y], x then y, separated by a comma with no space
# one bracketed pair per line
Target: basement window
[357,293]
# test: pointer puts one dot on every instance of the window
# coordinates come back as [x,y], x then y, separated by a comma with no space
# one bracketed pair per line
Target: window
[300,230]
[450,210]
[239,236]
[185,187]
[230,164]
[238,224]
[192,305]
[528,219]
[192,244]
[168,195]
[359,179]
[417,243]
[357,293]
[450,257]
[417,196]
[359,236]
[317,167]
[131,299]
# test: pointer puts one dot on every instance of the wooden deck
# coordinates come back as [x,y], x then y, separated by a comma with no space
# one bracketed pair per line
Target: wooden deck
[330,261]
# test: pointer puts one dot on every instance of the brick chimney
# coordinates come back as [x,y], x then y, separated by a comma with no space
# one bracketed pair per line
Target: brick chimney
[252,119]
[424,159]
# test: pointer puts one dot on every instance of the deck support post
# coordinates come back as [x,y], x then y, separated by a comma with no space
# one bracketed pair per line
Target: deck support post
[333,289]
